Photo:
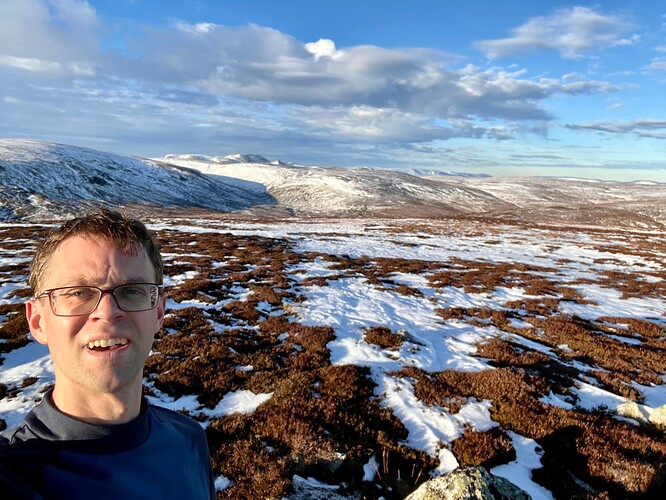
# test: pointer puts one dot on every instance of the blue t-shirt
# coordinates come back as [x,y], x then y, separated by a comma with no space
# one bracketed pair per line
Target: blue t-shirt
[158,455]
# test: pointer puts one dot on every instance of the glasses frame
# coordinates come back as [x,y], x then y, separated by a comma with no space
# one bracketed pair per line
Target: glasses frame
[103,291]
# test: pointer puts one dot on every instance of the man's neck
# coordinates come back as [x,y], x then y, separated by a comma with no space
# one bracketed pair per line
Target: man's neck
[99,408]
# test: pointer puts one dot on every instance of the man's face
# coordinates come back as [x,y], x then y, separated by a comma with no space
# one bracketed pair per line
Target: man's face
[85,261]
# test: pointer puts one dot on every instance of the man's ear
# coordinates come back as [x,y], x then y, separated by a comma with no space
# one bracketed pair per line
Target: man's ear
[34,313]
[161,308]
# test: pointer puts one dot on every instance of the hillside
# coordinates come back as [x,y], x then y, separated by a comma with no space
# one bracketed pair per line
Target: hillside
[319,190]
[40,179]
[363,191]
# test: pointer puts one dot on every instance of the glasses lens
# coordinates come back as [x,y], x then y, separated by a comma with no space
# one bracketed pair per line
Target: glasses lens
[75,301]
[136,297]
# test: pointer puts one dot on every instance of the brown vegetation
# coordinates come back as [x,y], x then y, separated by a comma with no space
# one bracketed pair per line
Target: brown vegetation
[235,330]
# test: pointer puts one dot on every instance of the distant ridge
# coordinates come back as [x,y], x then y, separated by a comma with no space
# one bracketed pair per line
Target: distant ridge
[222,160]
[449,173]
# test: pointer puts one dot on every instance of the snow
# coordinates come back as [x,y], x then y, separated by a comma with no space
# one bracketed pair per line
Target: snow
[32,360]
[370,469]
[35,176]
[238,402]
[35,172]
[518,472]
[222,483]
[350,305]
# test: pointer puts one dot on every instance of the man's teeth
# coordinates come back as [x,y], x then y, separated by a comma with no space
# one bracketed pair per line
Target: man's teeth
[106,343]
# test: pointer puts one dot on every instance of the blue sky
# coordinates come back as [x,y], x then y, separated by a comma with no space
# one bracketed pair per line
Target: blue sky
[517,87]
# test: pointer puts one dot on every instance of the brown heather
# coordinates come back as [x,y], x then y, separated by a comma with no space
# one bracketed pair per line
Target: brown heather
[383,337]
[327,421]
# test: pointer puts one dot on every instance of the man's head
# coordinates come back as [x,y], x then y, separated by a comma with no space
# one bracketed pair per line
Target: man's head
[98,305]
[129,235]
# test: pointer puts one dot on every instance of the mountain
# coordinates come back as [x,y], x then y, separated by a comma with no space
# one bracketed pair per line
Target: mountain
[334,191]
[39,179]
[222,160]
[578,201]
[380,192]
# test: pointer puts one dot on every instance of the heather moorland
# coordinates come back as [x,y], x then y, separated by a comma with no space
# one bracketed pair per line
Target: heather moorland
[362,357]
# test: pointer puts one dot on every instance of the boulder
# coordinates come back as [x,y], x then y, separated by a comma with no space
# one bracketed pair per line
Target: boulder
[658,417]
[469,483]
[644,414]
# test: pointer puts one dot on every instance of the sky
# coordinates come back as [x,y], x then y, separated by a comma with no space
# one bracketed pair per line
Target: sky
[503,88]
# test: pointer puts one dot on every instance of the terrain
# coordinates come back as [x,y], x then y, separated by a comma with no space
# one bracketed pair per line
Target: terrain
[40,180]
[357,358]
[350,333]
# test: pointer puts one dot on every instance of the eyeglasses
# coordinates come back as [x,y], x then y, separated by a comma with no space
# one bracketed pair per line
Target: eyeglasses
[83,300]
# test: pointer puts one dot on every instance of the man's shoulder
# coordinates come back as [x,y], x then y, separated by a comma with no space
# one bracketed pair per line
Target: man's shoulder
[180,422]
[19,434]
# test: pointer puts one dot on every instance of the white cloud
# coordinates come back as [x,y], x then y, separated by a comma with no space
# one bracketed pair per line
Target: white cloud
[641,126]
[185,85]
[657,64]
[30,63]
[324,48]
[572,32]
[51,36]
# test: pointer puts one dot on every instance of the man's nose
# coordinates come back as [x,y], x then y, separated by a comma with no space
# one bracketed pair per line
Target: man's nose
[108,305]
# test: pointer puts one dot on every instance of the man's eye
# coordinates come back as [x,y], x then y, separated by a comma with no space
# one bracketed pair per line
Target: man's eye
[133,291]
[76,293]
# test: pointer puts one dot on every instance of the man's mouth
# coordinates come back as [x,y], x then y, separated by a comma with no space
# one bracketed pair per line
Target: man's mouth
[106,344]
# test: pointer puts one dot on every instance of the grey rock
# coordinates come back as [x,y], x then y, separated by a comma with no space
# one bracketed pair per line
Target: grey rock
[469,483]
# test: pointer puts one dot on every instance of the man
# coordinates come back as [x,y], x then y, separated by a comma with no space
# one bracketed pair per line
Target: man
[98,303]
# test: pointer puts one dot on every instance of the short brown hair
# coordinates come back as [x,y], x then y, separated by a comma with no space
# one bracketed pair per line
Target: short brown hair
[117,228]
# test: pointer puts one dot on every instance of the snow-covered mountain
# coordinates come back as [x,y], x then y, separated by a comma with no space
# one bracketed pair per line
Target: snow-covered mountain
[320,190]
[39,180]
[578,201]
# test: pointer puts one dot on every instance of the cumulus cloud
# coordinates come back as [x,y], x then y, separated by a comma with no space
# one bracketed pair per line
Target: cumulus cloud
[324,48]
[258,63]
[49,36]
[207,84]
[572,32]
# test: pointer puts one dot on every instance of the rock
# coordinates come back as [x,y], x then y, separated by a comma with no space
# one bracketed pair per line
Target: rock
[658,417]
[644,414]
[469,483]
[633,410]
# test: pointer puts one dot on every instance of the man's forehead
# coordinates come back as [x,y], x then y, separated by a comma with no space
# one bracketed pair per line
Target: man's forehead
[96,246]
[77,253]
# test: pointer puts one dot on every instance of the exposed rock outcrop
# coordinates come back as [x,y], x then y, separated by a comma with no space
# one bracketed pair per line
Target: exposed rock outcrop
[644,414]
[469,483]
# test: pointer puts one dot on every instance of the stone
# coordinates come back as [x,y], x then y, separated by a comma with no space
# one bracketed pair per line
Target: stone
[658,417]
[469,483]
[634,411]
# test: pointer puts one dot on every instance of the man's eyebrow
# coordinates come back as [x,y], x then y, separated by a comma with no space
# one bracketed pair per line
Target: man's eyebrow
[134,279]
[89,281]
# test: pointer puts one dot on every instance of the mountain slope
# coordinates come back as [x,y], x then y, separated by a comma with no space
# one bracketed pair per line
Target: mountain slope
[334,191]
[579,201]
[38,178]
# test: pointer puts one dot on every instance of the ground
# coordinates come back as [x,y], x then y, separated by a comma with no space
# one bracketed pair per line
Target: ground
[369,355]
